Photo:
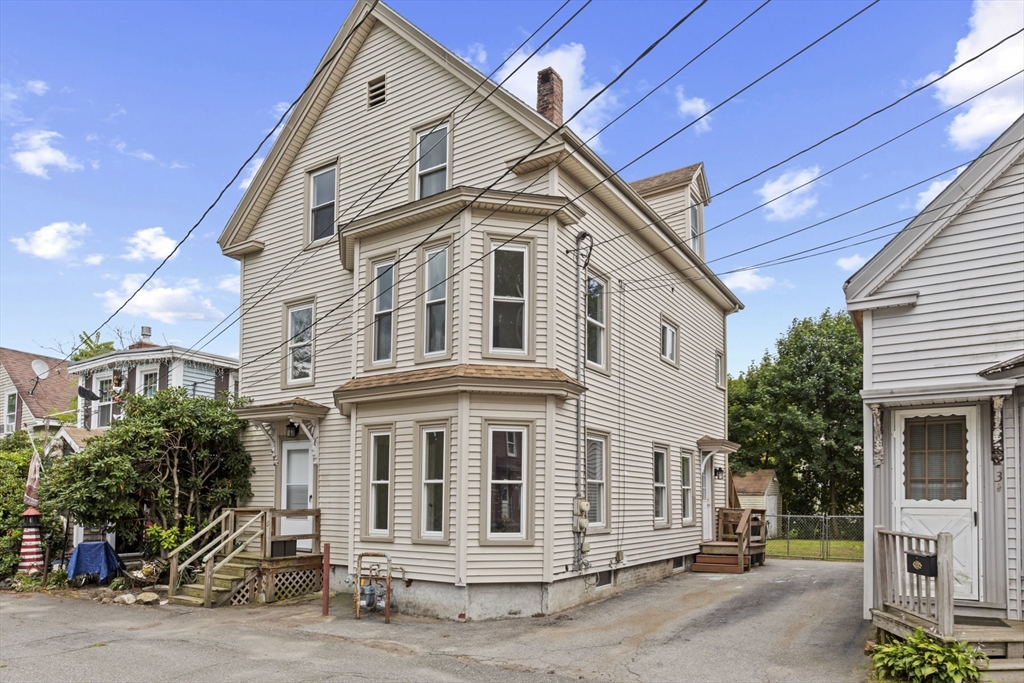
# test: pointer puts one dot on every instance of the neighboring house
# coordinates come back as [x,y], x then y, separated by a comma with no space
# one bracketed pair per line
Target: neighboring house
[27,402]
[438,423]
[941,312]
[760,491]
[145,368]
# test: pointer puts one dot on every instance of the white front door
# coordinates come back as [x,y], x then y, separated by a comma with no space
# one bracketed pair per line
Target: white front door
[936,484]
[297,490]
[708,497]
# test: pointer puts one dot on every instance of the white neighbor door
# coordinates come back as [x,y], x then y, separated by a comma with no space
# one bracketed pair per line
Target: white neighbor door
[297,490]
[936,484]
[708,498]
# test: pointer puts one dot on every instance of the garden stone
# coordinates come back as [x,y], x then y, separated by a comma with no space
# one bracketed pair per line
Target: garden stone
[148,598]
[105,593]
[126,599]
[105,601]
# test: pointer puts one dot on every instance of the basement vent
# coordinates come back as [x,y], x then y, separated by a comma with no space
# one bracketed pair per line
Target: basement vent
[375,92]
[603,578]
[678,562]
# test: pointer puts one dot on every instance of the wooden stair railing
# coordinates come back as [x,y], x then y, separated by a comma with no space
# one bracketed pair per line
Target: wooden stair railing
[929,599]
[176,566]
[211,568]
[743,538]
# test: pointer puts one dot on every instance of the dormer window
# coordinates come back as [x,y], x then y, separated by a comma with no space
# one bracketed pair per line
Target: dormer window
[696,224]
[322,189]
[432,164]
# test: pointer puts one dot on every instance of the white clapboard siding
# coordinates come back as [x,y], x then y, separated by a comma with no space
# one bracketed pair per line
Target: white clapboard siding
[970,310]
[1012,484]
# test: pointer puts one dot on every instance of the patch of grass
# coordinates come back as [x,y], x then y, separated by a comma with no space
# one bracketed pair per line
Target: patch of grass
[811,548]
[98,645]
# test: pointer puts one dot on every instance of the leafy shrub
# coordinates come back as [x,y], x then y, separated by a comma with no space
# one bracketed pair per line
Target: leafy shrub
[922,659]
[15,454]
[58,578]
[21,583]
[159,539]
[117,583]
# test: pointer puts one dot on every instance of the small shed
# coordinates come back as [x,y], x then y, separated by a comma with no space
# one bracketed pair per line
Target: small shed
[760,490]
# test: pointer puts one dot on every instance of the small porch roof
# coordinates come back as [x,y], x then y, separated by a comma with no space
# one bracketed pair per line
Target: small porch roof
[706,444]
[939,393]
[294,409]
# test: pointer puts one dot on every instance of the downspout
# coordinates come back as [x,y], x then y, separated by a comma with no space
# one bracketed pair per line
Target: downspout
[580,506]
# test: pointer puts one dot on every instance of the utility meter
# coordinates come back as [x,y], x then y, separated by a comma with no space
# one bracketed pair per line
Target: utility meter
[582,506]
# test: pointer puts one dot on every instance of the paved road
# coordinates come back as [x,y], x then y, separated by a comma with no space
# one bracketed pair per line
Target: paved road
[788,621]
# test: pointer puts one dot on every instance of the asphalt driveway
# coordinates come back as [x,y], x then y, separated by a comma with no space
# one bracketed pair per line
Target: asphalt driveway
[787,621]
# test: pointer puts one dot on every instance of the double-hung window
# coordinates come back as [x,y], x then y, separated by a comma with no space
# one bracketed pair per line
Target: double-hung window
[720,378]
[508,298]
[686,484]
[300,343]
[596,330]
[383,311]
[432,161]
[105,406]
[11,415]
[660,492]
[435,315]
[596,480]
[380,483]
[433,510]
[507,491]
[150,383]
[669,343]
[696,224]
[322,191]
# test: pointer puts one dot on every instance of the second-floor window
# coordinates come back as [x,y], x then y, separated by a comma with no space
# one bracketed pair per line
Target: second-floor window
[300,343]
[432,161]
[383,311]
[508,298]
[105,406]
[696,224]
[150,382]
[596,351]
[11,417]
[669,343]
[436,302]
[322,189]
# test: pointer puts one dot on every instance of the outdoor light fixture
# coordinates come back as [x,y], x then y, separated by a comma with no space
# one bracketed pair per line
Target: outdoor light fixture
[292,430]
[719,473]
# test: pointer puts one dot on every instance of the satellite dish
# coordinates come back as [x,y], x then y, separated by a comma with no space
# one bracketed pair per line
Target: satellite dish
[41,369]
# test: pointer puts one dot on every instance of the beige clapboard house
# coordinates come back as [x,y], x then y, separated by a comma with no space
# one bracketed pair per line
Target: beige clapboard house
[433,399]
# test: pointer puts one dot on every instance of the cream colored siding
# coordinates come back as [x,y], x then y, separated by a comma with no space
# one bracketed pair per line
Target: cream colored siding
[970,311]
[1012,471]
[674,205]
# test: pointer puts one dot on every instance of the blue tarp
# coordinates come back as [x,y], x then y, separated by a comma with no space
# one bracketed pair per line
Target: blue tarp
[94,558]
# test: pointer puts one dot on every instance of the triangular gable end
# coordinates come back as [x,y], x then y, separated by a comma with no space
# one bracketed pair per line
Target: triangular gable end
[957,198]
[364,16]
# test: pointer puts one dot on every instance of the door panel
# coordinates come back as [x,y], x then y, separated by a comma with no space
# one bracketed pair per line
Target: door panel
[931,521]
[297,491]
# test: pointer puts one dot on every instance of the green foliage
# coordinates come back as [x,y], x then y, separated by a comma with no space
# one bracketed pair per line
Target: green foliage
[172,460]
[160,539]
[23,583]
[58,578]
[921,659]
[117,583]
[90,346]
[15,455]
[799,412]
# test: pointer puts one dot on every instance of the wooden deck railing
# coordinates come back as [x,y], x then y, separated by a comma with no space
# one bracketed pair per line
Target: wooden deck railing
[734,524]
[929,599]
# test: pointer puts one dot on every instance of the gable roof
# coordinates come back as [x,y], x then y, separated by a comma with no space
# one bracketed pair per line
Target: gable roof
[958,196]
[753,483]
[674,180]
[52,395]
[365,14]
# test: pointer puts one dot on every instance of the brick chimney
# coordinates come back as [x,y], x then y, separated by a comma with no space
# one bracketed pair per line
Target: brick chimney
[549,95]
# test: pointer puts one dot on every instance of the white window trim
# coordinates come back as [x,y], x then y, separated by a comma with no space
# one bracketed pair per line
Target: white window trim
[420,172]
[10,417]
[603,364]
[524,497]
[525,299]
[140,377]
[379,312]
[291,346]
[660,486]
[696,210]
[370,529]
[720,375]
[424,533]
[427,301]
[603,522]
[686,489]
[313,207]
[669,325]
[109,402]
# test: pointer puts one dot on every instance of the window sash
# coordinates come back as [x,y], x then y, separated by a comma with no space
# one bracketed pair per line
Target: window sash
[432,509]
[438,153]
[508,303]
[321,212]
[669,346]
[150,383]
[383,307]
[105,406]
[595,480]
[300,343]
[660,511]
[686,485]
[435,312]
[379,512]
[596,302]
[506,494]
[12,409]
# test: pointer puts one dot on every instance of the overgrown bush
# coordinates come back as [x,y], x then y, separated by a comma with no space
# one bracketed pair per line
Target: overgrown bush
[58,578]
[15,454]
[922,659]
[160,540]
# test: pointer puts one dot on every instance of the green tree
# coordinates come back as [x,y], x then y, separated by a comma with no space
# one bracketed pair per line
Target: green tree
[90,345]
[799,412]
[172,460]
[15,455]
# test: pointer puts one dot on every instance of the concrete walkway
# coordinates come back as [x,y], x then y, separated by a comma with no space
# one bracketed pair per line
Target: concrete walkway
[788,621]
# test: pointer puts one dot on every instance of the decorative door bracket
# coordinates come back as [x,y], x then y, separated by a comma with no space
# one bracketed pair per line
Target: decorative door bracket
[997,430]
[877,449]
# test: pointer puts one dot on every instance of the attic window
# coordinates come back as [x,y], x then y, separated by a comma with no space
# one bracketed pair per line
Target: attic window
[375,92]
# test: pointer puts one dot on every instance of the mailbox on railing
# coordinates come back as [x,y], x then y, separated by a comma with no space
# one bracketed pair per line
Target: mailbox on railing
[922,564]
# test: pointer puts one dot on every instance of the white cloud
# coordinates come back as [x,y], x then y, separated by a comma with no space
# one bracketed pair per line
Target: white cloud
[148,243]
[94,259]
[990,114]
[120,111]
[279,109]
[749,281]
[37,87]
[175,165]
[849,263]
[122,148]
[250,173]
[53,241]
[476,54]
[34,152]
[230,283]
[162,302]
[797,202]
[577,88]
[695,107]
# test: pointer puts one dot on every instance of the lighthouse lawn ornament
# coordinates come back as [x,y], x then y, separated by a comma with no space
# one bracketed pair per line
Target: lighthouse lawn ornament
[31,547]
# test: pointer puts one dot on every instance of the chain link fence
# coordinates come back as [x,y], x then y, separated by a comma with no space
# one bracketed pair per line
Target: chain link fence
[816,537]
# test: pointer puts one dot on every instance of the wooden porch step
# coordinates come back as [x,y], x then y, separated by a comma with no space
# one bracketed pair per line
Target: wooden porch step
[716,568]
[729,548]
[720,559]
[186,600]
[1003,670]
[197,590]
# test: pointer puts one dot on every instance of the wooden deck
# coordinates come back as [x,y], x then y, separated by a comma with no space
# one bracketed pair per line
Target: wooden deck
[739,545]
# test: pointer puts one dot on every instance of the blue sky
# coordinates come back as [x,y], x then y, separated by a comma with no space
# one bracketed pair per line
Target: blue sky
[120,123]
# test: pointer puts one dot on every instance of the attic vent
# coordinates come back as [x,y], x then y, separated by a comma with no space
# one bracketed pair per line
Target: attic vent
[375,91]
